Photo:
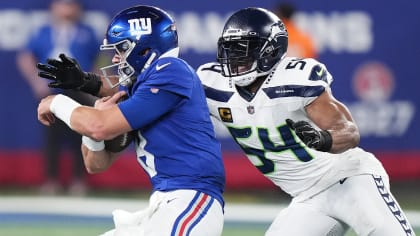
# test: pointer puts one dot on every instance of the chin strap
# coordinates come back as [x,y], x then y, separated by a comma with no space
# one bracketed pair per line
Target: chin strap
[149,61]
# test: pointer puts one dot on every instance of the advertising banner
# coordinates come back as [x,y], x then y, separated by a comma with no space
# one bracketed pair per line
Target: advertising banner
[371,51]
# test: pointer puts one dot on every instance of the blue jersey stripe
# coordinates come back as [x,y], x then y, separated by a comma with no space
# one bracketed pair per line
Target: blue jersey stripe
[294,91]
[202,214]
[218,95]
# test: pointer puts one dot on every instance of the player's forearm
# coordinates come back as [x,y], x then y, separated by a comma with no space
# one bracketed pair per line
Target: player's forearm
[84,120]
[345,133]
[99,124]
[97,161]
[94,123]
[345,137]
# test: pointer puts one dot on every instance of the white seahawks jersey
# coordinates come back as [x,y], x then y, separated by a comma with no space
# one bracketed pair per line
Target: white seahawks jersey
[257,123]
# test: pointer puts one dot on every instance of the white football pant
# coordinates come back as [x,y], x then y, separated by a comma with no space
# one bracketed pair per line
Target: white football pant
[361,202]
[175,213]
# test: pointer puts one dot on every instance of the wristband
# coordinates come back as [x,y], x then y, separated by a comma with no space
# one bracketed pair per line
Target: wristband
[62,107]
[327,144]
[92,144]
[92,84]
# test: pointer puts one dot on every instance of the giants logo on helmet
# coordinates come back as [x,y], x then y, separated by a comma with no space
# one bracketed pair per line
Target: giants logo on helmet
[140,26]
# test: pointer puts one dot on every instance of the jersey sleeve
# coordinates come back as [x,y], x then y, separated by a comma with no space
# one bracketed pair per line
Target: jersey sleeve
[319,77]
[305,79]
[172,75]
[146,106]
[319,73]
[215,87]
[164,85]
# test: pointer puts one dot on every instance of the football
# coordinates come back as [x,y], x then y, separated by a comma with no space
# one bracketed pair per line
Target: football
[120,142]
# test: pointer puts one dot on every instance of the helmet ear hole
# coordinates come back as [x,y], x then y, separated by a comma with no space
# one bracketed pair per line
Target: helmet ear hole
[144,52]
[128,70]
[125,46]
[275,52]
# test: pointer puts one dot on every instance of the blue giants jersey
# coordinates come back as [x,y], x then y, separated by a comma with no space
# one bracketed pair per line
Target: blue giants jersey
[178,150]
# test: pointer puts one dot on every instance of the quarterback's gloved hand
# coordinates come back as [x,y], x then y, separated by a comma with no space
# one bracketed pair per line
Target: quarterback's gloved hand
[67,74]
[320,140]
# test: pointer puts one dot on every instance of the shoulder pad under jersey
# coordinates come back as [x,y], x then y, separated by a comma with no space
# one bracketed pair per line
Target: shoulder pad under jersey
[216,86]
[298,71]
[299,81]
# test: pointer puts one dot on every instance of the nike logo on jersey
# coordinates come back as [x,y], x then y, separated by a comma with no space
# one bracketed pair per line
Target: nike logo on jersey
[170,200]
[320,72]
[341,181]
[160,67]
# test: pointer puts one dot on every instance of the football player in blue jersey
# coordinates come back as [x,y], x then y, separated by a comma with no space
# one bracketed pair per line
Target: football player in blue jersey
[281,112]
[167,111]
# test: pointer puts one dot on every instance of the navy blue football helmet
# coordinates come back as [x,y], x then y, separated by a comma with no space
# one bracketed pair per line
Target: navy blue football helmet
[253,41]
[139,35]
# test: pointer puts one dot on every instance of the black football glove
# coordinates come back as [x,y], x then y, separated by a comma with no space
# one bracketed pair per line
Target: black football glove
[67,74]
[320,140]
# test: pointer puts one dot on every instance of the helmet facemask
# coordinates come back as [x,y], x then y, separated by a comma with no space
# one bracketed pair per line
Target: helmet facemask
[239,58]
[123,69]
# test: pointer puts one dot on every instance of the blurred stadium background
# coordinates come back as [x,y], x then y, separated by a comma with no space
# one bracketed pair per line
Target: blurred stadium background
[370,48]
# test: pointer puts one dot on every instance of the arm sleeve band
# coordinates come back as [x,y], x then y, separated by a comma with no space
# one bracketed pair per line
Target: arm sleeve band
[62,107]
[92,144]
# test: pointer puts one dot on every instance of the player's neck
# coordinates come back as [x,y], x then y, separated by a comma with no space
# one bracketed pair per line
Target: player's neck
[248,92]
[254,86]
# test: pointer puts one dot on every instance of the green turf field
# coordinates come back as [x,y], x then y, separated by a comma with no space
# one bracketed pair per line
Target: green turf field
[90,230]
[23,214]
[96,229]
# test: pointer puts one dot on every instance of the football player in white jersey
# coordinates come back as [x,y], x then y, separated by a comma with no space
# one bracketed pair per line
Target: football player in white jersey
[282,113]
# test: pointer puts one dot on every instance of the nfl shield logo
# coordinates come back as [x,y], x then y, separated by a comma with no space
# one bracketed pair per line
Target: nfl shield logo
[250,109]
